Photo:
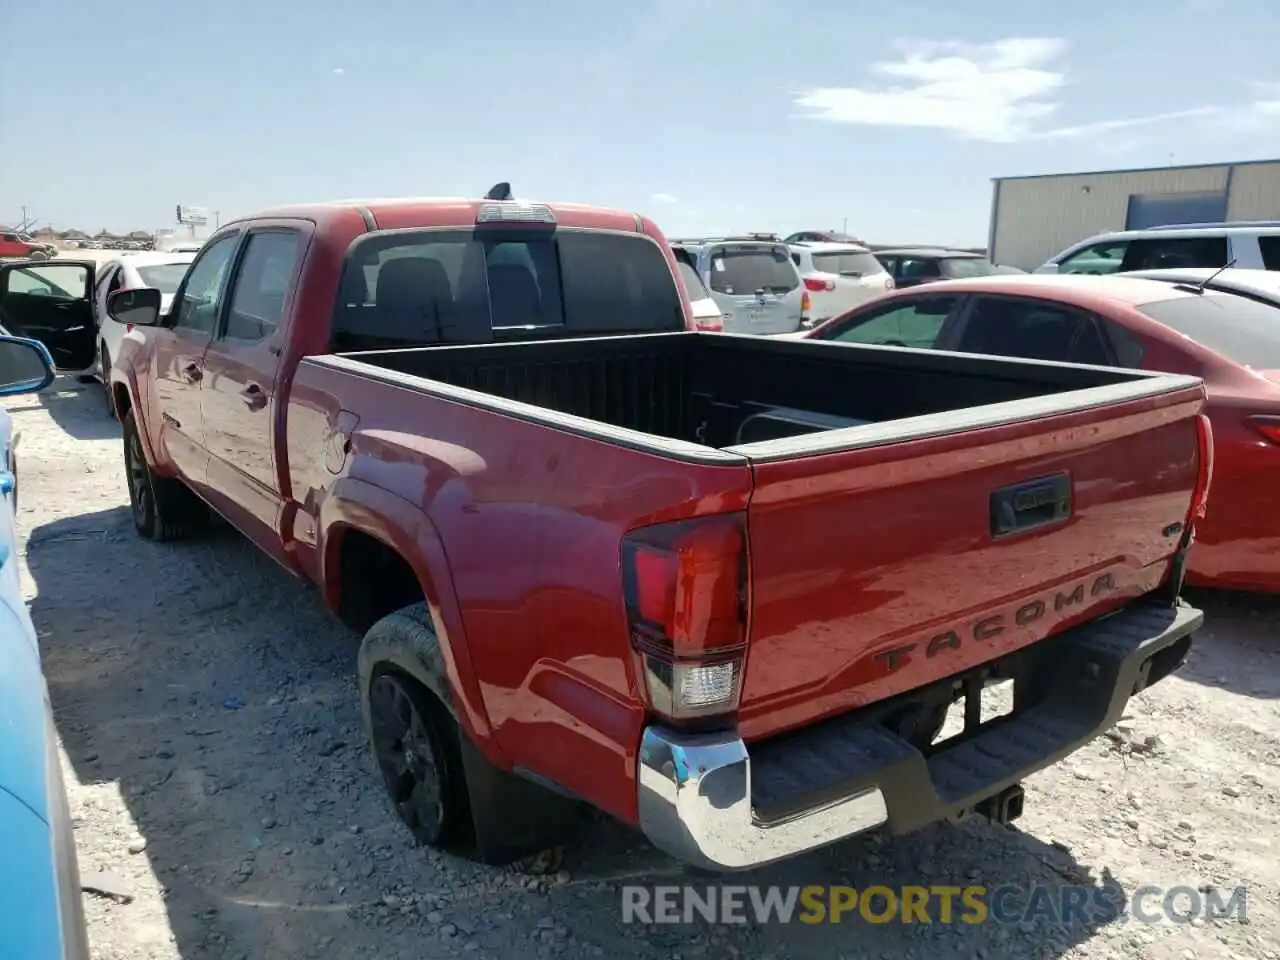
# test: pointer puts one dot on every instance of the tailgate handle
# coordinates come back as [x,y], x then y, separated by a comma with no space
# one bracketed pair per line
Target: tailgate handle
[1031,504]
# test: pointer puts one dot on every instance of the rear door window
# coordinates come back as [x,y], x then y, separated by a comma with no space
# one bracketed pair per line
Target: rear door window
[262,284]
[850,264]
[1242,330]
[692,282]
[1270,249]
[1034,330]
[957,268]
[1098,258]
[918,268]
[430,286]
[742,270]
[914,323]
[1156,253]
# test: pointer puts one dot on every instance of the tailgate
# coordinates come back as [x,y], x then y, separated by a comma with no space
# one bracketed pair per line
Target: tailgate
[888,556]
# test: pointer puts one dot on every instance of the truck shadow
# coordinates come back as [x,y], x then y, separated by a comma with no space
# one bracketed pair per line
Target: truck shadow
[1237,650]
[80,409]
[217,694]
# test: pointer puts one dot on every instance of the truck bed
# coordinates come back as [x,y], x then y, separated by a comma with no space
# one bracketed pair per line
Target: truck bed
[725,391]
[912,515]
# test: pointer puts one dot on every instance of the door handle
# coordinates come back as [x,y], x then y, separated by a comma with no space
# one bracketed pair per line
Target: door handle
[193,372]
[254,397]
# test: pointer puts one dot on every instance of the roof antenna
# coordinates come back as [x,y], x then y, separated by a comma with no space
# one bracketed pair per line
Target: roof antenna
[1199,288]
[499,191]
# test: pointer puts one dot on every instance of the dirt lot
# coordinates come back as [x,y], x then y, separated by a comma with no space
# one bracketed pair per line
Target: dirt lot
[215,764]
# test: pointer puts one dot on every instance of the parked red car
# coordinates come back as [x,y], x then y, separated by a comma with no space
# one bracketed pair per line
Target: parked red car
[1230,341]
[22,246]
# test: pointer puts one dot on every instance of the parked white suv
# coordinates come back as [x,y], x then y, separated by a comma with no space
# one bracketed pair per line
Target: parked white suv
[838,277]
[1251,244]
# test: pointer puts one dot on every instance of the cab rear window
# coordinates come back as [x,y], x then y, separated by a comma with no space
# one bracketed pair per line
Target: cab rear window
[411,288]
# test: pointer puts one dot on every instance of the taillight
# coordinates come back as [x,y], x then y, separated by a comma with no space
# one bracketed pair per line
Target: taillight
[1268,427]
[819,285]
[685,587]
[1204,477]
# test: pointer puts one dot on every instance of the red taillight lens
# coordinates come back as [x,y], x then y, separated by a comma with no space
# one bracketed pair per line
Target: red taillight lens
[1204,478]
[819,285]
[1268,427]
[685,586]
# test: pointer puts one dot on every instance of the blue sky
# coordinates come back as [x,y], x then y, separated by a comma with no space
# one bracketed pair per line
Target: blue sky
[708,116]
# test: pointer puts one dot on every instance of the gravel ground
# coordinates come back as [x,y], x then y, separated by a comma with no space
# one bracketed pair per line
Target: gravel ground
[216,767]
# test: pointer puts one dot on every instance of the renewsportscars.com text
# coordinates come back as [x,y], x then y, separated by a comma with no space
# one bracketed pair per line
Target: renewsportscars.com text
[972,904]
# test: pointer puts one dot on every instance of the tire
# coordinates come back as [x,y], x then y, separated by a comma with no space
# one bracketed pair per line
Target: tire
[39,255]
[163,508]
[459,801]
[414,739]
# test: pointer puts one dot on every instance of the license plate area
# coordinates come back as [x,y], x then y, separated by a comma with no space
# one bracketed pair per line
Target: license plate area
[980,702]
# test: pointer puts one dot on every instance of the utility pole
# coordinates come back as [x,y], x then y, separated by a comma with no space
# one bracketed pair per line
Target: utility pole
[217,219]
[845,228]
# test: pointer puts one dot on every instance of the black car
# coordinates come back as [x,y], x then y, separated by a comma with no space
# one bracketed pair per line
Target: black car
[910,266]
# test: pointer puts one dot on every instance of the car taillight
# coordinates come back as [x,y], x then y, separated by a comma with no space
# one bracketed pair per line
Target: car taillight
[819,285]
[1268,427]
[685,587]
[1204,477]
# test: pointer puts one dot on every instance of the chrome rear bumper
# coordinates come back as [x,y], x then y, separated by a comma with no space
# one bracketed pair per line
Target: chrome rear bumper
[698,801]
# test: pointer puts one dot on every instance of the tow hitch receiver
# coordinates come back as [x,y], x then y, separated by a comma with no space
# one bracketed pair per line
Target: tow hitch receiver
[1005,807]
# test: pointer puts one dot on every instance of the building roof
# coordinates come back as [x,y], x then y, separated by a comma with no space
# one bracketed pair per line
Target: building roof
[940,252]
[1163,169]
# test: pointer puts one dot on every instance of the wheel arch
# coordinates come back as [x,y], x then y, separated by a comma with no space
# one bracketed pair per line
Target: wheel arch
[364,529]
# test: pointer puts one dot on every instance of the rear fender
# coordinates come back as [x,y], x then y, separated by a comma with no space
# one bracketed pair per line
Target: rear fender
[358,505]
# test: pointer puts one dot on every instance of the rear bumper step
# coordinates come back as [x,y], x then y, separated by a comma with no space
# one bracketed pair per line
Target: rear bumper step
[708,800]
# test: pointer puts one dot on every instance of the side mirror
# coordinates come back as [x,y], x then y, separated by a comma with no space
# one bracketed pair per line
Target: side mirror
[25,366]
[140,307]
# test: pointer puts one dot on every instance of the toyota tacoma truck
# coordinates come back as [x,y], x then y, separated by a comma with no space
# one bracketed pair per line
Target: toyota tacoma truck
[723,588]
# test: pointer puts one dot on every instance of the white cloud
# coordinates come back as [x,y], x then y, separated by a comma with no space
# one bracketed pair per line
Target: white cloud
[338,71]
[663,198]
[1112,126]
[995,92]
[999,92]
[1258,115]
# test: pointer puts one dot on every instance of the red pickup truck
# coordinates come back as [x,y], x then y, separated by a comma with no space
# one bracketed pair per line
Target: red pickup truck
[724,588]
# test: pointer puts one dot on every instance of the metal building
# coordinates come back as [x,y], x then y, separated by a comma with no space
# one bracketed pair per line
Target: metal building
[1034,217]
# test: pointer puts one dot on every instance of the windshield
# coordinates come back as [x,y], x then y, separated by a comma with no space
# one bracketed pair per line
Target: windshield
[744,270]
[165,277]
[958,267]
[847,263]
[1242,330]
[434,286]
